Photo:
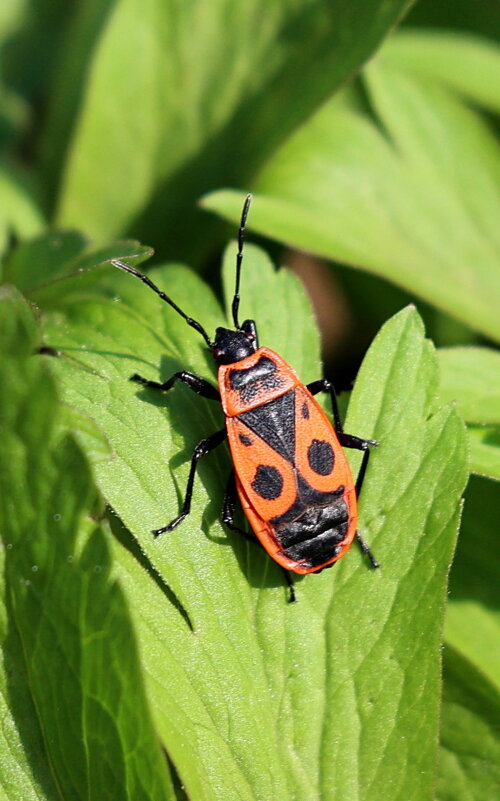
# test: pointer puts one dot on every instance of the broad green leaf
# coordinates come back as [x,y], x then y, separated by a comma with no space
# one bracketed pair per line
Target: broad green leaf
[200,685]
[484,444]
[24,772]
[39,262]
[200,97]
[81,37]
[470,748]
[82,273]
[467,64]
[73,689]
[471,378]
[86,432]
[42,258]
[19,213]
[14,114]
[30,56]
[411,196]
[10,17]
[14,110]
[472,618]
[332,697]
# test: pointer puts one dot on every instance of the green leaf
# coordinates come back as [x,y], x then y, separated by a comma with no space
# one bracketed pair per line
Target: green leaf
[40,259]
[30,56]
[142,144]
[469,65]
[470,377]
[470,748]
[411,196]
[19,213]
[484,444]
[76,722]
[37,265]
[10,18]
[255,698]
[24,772]
[90,437]
[470,756]
[472,618]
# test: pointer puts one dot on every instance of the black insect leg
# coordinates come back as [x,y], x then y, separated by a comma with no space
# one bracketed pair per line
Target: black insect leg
[291,586]
[203,447]
[194,382]
[228,509]
[348,441]
[366,550]
[324,385]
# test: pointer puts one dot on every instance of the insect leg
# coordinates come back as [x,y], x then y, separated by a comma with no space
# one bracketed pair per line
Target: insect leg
[324,385]
[291,586]
[194,382]
[360,444]
[228,509]
[350,441]
[366,550]
[347,440]
[203,447]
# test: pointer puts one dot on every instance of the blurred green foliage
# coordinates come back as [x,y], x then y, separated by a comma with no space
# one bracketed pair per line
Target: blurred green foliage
[374,150]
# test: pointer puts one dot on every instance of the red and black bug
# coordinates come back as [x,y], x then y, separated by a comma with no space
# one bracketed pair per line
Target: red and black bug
[289,470]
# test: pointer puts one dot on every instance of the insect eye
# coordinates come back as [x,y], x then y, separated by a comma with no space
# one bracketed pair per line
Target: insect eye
[250,336]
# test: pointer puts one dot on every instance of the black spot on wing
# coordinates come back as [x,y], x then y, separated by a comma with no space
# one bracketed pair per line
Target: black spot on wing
[245,440]
[268,482]
[321,457]
[274,422]
[305,411]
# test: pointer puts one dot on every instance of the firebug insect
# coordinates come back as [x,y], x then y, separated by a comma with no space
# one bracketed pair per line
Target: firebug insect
[289,470]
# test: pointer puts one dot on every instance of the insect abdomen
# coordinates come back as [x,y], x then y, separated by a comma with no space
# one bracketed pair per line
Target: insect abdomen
[316,535]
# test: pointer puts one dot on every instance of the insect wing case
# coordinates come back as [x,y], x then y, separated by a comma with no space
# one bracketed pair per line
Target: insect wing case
[292,477]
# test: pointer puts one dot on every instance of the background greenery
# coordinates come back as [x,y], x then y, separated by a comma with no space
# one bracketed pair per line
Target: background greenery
[175,669]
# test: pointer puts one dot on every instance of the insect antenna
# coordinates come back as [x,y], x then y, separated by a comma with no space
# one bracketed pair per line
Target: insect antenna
[144,278]
[239,259]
